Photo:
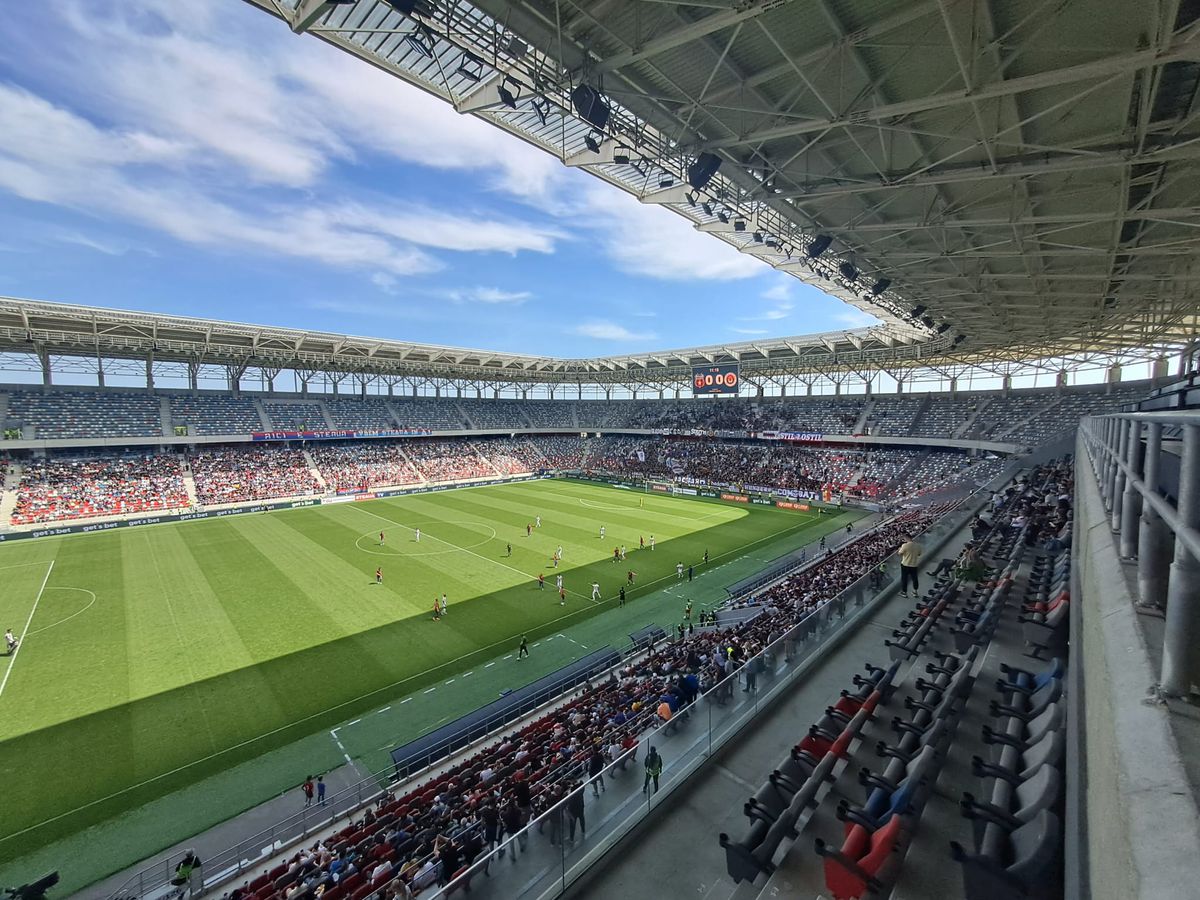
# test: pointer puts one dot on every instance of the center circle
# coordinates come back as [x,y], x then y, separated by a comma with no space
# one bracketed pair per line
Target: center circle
[447,546]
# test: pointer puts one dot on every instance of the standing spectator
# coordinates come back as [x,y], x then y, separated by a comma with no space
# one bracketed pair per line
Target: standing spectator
[689,573]
[596,770]
[513,823]
[307,788]
[523,650]
[575,812]
[622,596]
[185,872]
[910,559]
[321,789]
[654,767]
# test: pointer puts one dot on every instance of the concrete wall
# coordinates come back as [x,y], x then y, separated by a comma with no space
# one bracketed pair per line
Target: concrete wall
[1139,834]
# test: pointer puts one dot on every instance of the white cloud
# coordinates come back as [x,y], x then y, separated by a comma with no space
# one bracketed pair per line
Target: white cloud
[108,248]
[781,290]
[604,330]
[855,318]
[781,310]
[385,282]
[644,239]
[489,295]
[758,331]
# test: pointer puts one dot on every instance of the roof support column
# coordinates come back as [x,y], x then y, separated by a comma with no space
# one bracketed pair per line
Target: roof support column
[47,370]
[193,369]
[150,372]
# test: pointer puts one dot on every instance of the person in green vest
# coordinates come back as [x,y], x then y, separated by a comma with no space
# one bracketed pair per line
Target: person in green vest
[654,767]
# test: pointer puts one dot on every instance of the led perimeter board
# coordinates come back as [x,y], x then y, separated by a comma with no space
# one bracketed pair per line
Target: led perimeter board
[715,379]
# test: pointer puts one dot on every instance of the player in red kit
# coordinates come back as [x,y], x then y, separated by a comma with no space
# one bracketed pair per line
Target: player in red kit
[379,575]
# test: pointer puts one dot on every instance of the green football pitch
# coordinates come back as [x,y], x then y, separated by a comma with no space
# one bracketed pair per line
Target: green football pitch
[155,656]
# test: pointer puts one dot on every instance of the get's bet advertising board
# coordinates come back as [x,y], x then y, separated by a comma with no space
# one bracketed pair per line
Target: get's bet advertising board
[721,379]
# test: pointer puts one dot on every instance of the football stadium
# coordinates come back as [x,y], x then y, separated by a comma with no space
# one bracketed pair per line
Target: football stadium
[884,582]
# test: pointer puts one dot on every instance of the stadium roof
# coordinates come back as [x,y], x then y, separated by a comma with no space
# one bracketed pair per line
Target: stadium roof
[29,326]
[1013,180]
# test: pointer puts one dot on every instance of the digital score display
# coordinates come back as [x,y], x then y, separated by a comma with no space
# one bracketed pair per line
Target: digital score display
[721,379]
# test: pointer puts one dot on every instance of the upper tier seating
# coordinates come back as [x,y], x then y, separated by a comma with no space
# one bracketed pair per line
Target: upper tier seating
[217,414]
[495,413]
[295,415]
[85,414]
[357,414]
[427,414]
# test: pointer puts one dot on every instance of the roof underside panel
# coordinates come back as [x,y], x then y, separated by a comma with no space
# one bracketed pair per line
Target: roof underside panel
[1024,174]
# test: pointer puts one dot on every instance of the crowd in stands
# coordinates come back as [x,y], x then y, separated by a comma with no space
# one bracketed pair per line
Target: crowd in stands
[349,466]
[263,473]
[1031,416]
[53,490]
[259,472]
[443,824]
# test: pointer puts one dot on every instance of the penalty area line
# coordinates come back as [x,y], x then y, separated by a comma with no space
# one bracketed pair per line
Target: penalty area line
[21,642]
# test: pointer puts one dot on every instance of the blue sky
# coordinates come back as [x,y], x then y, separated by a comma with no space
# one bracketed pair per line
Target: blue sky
[198,158]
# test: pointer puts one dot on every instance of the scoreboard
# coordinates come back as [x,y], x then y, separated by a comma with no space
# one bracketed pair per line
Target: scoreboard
[721,379]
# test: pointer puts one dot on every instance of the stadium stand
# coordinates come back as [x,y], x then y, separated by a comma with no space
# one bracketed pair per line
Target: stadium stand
[84,414]
[264,473]
[292,416]
[83,488]
[218,414]
[360,414]
[418,414]
[363,465]
[485,414]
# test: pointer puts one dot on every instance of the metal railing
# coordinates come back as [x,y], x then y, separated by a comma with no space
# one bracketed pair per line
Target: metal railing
[1161,538]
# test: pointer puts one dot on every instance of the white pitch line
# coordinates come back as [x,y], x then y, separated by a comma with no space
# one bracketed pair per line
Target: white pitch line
[21,642]
[488,559]
[489,665]
[382,711]
[430,691]
[406,699]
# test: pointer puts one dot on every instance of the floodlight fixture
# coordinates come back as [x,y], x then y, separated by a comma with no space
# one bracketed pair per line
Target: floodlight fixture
[927,321]
[470,66]
[592,141]
[509,97]
[944,327]
[818,245]
[541,106]
[880,285]
[691,198]
[739,225]
[665,181]
[918,311]
[621,155]
[592,107]
[723,216]
[702,170]
[707,207]
[421,39]
[849,271]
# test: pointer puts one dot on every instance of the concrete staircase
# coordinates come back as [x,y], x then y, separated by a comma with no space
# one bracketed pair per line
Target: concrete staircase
[396,423]
[189,481]
[890,487]
[316,473]
[860,426]
[8,499]
[921,410]
[462,415]
[164,411]
[3,411]
[487,462]
[1040,411]
[411,462]
[261,409]
[967,427]
[326,415]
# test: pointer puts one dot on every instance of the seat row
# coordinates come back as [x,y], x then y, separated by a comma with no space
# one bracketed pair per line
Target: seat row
[868,855]
[792,789]
[1017,830]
